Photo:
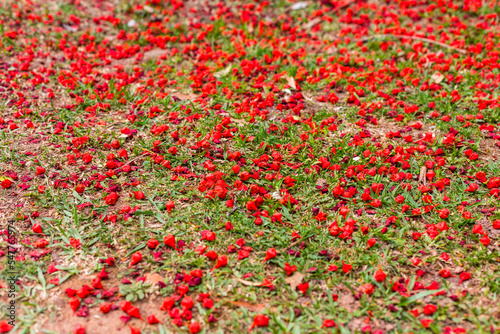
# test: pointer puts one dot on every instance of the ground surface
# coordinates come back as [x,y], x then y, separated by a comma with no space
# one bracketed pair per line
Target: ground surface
[305,167]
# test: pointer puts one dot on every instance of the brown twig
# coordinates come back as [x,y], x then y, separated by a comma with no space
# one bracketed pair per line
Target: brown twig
[299,240]
[233,210]
[423,39]
[345,4]
[136,158]
[422,176]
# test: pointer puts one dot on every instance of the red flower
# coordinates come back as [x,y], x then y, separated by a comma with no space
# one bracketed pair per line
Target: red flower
[416,261]
[477,229]
[221,262]
[169,241]
[134,330]
[260,320]
[74,303]
[187,303]
[136,257]
[167,304]
[79,329]
[5,327]
[105,307]
[42,243]
[485,240]
[194,327]
[303,287]
[464,276]
[270,254]
[80,188]
[37,228]
[40,170]
[6,183]
[208,303]
[426,322]
[496,224]
[138,195]
[169,206]
[371,243]
[429,309]
[111,198]
[134,312]
[328,323]
[376,203]
[399,199]
[153,320]
[152,243]
[367,288]
[380,275]
[289,269]
[321,216]
[346,268]
[444,256]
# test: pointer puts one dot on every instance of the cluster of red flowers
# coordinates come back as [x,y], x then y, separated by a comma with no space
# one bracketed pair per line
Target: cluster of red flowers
[389,142]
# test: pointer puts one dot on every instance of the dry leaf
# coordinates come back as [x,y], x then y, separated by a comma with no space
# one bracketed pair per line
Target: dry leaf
[295,279]
[437,77]
[299,5]
[248,306]
[312,23]
[153,54]
[248,283]
[291,82]
[181,96]
[223,72]
[321,182]
[154,278]
[422,176]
